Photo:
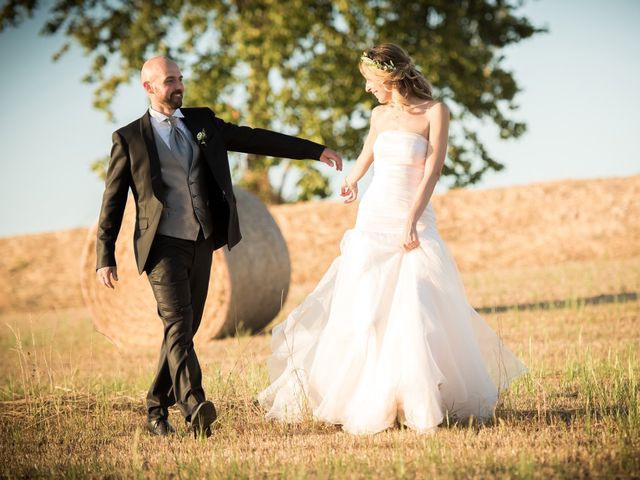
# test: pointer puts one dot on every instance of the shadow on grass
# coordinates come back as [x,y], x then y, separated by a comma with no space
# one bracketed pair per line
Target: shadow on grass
[562,415]
[566,303]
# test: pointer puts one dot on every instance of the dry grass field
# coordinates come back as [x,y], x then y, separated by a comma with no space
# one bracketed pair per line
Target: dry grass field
[71,403]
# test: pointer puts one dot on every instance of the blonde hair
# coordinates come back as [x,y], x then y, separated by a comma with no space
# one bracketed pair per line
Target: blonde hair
[393,65]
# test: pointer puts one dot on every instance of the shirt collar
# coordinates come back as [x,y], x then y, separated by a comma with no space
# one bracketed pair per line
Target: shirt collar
[161,117]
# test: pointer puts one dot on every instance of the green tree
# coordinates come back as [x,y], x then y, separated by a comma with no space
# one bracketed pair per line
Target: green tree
[292,65]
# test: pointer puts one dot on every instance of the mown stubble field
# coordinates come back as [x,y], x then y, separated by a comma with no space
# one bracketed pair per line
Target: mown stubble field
[72,404]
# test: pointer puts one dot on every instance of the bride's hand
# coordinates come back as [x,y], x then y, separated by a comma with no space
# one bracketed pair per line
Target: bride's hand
[349,190]
[411,240]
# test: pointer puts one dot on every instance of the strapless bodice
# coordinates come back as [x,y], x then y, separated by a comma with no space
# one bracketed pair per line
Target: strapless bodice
[398,164]
[399,149]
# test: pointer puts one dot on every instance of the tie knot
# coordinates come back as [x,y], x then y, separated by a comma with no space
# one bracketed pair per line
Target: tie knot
[173,121]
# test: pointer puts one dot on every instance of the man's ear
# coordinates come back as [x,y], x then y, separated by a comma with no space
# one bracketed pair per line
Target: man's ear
[148,87]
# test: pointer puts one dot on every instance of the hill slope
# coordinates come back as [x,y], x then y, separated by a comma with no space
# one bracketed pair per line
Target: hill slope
[532,226]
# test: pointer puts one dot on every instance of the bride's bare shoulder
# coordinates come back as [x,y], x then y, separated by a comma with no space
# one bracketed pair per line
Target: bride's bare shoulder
[377,115]
[436,109]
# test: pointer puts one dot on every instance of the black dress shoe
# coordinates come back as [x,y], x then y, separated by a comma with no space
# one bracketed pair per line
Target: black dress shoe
[160,426]
[202,418]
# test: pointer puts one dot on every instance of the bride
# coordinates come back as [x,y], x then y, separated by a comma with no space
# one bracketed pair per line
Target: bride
[388,335]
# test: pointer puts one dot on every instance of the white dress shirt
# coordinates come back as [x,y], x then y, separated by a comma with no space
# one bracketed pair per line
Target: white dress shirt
[163,129]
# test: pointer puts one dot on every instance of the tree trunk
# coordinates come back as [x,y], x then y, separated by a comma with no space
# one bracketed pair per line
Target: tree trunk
[255,178]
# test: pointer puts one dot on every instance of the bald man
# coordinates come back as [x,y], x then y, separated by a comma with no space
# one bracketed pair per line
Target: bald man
[175,162]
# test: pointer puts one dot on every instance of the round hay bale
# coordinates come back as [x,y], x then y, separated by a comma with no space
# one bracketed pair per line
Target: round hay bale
[247,288]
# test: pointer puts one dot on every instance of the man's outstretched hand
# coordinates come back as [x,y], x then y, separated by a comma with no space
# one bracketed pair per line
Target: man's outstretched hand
[331,158]
[106,274]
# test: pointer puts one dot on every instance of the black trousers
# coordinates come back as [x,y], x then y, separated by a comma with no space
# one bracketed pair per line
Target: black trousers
[178,271]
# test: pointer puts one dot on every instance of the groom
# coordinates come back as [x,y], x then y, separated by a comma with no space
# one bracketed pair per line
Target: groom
[175,163]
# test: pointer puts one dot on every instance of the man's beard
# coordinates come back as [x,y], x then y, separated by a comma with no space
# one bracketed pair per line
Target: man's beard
[174,100]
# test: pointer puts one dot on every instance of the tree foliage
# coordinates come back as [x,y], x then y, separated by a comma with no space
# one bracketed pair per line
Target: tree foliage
[293,65]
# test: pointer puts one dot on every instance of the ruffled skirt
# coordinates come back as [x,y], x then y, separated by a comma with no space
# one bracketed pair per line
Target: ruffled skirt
[387,336]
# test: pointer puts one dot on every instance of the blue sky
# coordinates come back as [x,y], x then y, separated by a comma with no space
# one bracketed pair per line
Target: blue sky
[581,102]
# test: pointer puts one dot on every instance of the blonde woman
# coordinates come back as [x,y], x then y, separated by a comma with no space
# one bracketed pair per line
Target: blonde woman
[388,336]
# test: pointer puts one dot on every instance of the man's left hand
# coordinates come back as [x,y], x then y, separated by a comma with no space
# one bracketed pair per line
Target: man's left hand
[331,158]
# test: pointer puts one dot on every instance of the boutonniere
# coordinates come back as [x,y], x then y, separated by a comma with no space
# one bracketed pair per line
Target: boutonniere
[202,137]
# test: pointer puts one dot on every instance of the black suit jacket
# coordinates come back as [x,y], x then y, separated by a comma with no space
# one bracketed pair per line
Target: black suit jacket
[135,165]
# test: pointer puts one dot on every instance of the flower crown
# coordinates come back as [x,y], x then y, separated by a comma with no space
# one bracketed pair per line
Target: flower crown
[384,66]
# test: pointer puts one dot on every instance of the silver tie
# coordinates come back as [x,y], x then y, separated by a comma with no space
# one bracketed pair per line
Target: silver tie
[178,142]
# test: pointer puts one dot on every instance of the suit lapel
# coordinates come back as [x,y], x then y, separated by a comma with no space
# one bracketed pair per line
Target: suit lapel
[194,127]
[211,137]
[191,125]
[154,160]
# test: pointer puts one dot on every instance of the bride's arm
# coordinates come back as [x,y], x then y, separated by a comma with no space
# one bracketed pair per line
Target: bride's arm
[438,137]
[365,159]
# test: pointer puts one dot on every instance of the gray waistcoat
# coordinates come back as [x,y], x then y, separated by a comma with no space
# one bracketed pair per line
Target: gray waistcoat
[186,206]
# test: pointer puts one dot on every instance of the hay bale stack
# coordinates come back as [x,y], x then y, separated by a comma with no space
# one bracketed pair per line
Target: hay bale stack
[247,287]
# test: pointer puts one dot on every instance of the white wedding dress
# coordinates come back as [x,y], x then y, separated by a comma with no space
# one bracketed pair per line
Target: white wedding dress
[388,336]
